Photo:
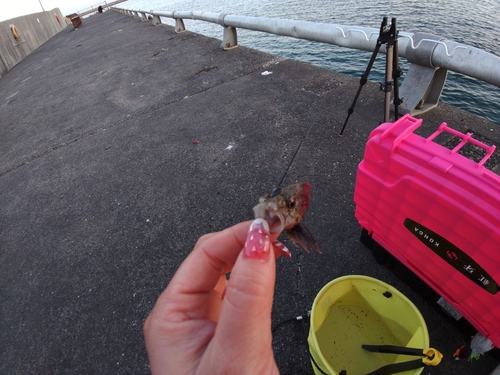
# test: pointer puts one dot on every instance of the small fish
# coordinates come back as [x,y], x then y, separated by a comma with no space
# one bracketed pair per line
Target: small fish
[284,209]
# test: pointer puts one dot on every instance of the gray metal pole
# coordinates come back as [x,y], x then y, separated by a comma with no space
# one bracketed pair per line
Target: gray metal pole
[388,82]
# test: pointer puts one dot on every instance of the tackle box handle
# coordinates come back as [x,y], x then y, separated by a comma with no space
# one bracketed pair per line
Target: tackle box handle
[401,129]
[465,138]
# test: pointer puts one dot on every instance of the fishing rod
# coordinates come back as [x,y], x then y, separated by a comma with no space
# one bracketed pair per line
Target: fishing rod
[277,189]
[389,36]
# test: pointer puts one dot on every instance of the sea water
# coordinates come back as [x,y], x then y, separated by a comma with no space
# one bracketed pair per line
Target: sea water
[471,23]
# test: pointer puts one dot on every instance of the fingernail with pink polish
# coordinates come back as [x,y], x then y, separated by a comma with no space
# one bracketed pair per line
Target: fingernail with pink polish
[258,244]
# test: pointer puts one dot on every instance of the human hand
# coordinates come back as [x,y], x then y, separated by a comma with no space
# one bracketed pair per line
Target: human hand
[202,324]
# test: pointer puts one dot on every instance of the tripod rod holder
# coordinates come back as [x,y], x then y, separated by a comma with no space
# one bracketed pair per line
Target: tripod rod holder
[388,35]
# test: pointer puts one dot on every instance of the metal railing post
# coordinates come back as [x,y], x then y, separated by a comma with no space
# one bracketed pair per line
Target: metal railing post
[156,20]
[229,38]
[179,25]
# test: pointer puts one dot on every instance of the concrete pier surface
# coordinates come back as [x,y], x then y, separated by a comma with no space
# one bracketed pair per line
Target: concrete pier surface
[103,191]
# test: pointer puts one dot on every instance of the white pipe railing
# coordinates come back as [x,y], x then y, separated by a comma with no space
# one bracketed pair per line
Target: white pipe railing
[431,56]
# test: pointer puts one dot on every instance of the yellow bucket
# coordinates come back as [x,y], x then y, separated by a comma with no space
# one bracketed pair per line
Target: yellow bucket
[354,310]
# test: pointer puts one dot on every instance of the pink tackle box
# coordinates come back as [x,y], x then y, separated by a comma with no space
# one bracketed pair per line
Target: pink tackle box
[438,213]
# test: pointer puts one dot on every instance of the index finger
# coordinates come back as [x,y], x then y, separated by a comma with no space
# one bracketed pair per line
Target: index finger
[212,255]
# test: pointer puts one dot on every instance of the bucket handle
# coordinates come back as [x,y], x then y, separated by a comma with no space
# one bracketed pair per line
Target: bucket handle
[343,372]
[316,365]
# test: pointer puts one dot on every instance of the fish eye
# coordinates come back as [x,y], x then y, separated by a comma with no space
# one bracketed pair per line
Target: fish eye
[291,204]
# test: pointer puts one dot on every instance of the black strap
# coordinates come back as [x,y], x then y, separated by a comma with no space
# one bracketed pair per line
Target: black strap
[316,365]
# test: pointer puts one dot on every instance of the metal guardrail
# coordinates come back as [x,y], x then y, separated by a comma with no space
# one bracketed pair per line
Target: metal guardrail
[430,56]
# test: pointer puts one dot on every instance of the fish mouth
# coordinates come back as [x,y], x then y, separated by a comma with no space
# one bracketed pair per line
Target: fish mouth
[272,215]
[276,220]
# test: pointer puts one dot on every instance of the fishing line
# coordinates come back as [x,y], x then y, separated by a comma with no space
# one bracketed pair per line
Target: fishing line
[277,189]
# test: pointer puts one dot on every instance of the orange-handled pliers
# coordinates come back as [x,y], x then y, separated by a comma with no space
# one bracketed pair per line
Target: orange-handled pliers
[431,357]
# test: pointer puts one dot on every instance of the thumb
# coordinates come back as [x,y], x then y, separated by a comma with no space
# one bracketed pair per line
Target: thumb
[244,327]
